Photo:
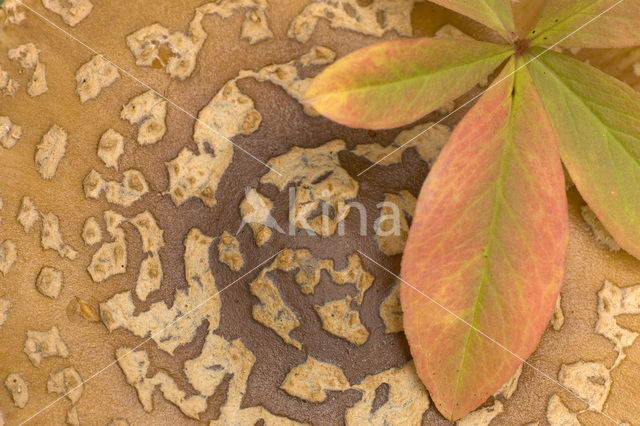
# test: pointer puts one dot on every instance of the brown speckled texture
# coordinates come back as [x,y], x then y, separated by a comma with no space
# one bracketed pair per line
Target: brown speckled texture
[284,125]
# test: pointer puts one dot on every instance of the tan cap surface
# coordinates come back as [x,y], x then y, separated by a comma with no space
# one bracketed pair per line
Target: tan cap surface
[287,339]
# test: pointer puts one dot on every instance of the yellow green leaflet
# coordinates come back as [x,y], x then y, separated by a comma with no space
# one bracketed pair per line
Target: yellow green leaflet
[495,14]
[394,83]
[596,119]
[589,23]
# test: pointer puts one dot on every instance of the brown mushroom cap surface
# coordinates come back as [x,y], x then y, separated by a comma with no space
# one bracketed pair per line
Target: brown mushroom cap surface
[309,369]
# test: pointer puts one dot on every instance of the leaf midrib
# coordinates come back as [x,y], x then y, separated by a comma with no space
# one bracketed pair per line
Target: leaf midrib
[497,205]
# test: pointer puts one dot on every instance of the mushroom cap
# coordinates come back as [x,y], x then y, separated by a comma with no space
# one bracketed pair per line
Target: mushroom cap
[124,179]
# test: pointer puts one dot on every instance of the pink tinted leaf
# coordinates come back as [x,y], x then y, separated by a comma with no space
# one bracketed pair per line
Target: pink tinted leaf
[596,119]
[488,244]
[495,14]
[394,83]
[596,23]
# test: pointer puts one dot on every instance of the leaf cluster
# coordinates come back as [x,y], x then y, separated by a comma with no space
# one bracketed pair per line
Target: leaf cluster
[484,260]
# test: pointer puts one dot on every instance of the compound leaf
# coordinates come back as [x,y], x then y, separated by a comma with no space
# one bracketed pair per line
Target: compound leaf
[394,83]
[487,245]
[596,119]
[594,23]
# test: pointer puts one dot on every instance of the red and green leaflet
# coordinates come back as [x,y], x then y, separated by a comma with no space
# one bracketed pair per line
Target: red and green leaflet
[394,83]
[588,23]
[488,244]
[484,260]
[495,14]
[597,121]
